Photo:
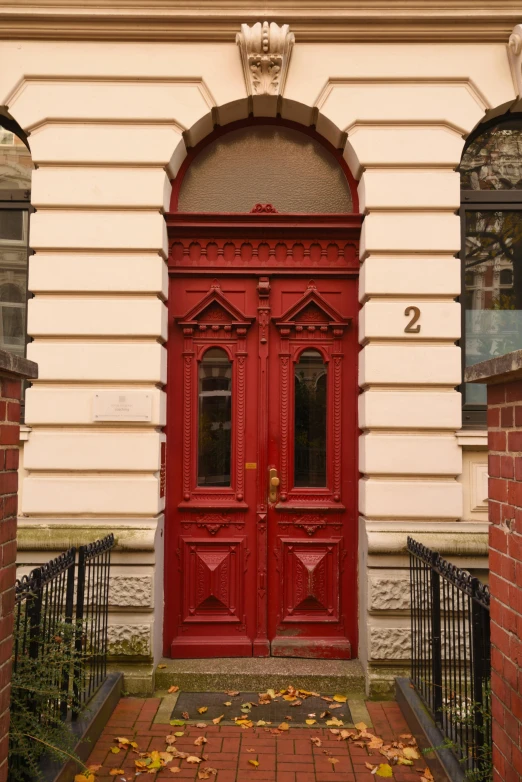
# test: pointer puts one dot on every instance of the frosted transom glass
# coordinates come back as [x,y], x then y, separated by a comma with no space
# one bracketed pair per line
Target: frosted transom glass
[265,165]
[493,161]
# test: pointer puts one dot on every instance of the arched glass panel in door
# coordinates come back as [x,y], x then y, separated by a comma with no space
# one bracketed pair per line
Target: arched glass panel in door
[491,186]
[214,418]
[310,383]
[265,164]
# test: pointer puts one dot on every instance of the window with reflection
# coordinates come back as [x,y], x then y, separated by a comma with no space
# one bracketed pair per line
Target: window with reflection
[214,418]
[310,383]
[15,183]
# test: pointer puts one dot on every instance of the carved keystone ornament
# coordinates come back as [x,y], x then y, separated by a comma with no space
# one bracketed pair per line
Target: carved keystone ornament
[515,56]
[265,54]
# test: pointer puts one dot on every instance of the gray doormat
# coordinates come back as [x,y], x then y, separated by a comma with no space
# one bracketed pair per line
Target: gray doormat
[276,711]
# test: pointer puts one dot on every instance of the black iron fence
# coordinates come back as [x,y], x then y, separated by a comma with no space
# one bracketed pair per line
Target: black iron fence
[60,629]
[451,652]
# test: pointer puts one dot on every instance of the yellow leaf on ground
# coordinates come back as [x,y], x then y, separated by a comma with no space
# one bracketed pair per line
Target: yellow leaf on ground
[333,761]
[83,777]
[334,721]
[284,726]
[193,759]
[94,769]
[404,762]
[361,726]
[179,734]
[340,698]
[384,770]
[217,720]
[203,709]
[254,763]
[227,703]
[311,722]
[115,750]
[174,688]
[115,771]
[162,666]
[410,753]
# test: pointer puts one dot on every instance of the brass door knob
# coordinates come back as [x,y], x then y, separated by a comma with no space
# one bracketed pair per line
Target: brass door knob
[273,483]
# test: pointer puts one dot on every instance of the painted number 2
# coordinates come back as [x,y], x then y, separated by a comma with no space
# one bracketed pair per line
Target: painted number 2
[411,328]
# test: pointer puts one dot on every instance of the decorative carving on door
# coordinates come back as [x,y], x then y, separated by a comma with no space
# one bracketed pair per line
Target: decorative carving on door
[221,253]
[309,582]
[212,590]
[213,322]
[312,321]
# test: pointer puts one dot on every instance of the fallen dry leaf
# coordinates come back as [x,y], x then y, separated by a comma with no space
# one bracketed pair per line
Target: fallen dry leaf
[173,769]
[346,734]
[94,768]
[334,721]
[316,740]
[200,725]
[325,698]
[227,703]
[371,767]
[404,762]
[115,750]
[171,739]
[361,726]
[193,759]
[297,703]
[254,763]
[115,771]
[200,741]
[284,726]
[333,761]
[232,693]
[179,733]
[384,770]
[84,778]
[205,773]
[335,706]
[185,715]
[340,698]
[410,753]
[174,688]
[405,736]
[162,666]
[202,709]
[310,722]
[217,720]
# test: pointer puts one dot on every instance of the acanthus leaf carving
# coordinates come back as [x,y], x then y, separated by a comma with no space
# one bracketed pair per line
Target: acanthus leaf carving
[265,54]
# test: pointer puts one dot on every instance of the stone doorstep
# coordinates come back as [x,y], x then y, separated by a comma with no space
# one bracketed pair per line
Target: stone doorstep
[357,708]
[257,674]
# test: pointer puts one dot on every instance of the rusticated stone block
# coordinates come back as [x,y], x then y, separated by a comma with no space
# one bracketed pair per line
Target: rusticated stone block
[130,591]
[129,640]
[390,643]
[389,594]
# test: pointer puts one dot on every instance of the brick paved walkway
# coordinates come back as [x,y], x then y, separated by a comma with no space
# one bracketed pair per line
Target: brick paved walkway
[287,757]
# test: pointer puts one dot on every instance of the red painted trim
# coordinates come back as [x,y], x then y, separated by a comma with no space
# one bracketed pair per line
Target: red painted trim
[221,131]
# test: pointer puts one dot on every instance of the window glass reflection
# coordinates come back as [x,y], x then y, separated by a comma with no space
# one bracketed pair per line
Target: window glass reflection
[493,289]
[13,279]
[493,161]
[310,420]
[215,418]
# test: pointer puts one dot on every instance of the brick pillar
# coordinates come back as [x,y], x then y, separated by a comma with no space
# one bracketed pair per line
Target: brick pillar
[504,380]
[12,370]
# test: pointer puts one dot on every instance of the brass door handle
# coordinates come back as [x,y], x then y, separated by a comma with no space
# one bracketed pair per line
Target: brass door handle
[273,483]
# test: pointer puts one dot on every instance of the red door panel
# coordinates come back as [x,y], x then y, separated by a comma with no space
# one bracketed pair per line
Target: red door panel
[262,382]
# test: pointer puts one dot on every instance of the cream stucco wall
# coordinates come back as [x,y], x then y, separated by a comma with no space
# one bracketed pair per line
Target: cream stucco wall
[108,124]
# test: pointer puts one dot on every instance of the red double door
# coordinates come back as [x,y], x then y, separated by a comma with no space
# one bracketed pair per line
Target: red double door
[261,533]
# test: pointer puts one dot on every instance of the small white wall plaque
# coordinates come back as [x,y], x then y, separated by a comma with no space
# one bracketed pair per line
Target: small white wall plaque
[130,406]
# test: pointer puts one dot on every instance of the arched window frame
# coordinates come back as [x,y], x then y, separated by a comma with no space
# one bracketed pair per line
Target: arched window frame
[474,415]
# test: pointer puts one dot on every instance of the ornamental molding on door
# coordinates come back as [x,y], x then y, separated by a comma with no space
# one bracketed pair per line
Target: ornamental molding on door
[213,322]
[311,322]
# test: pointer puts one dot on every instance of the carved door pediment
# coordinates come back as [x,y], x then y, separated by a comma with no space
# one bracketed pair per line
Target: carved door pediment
[312,312]
[214,311]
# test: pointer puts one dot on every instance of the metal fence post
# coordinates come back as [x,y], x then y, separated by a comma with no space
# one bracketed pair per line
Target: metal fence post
[480,638]
[79,644]
[68,673]
[436,640]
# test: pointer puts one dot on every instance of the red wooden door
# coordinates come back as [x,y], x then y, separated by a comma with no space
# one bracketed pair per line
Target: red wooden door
[261,391]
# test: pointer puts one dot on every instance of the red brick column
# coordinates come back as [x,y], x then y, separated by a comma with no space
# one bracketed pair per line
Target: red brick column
[504,379]
[12,369]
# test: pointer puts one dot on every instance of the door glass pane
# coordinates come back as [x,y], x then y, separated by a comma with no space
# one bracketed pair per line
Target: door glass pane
[493,289]
[15,162]
[215,418]
[13,279]
[265,165]
[310,420]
